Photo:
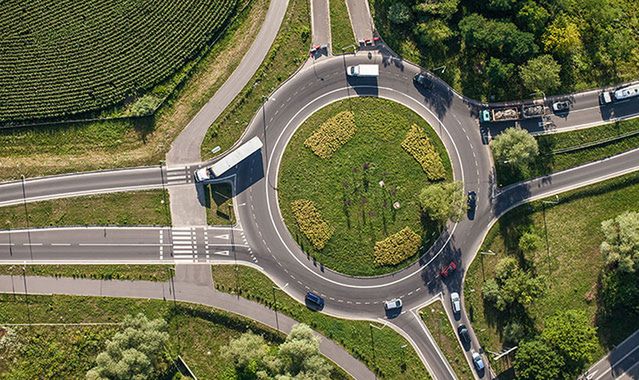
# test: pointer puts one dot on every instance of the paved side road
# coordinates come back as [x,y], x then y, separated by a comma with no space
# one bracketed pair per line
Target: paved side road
[192,283]
[620,363]
[361,19]
[321,22]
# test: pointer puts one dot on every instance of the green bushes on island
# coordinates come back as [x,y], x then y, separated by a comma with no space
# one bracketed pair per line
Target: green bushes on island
[397,247]
[311,223]
[332,134]
[418,145]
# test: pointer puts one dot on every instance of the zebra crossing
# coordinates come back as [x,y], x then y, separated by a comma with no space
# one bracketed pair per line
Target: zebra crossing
[179,175]
[196,244]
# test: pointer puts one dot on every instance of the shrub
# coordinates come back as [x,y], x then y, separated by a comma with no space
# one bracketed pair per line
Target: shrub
[332,134]
[397,247]
[310,222]
[417,144]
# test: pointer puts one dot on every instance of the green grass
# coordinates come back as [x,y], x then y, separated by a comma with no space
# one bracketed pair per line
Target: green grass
[219,204]
[389,360]
[434,316]
[121,209]
[63,352]
[573,267]
[341,29]
[349,196]
[72,147]
[550,162]
[100,272]
[288,52]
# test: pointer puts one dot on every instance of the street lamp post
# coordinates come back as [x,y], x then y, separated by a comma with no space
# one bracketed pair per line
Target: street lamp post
[10,242]
[543,207]
[274,288]
[373,348]
[177,323]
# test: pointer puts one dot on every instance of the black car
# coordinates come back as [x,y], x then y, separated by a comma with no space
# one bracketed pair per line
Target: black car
[314,301]
[422,79]
[472,200]
[463,335]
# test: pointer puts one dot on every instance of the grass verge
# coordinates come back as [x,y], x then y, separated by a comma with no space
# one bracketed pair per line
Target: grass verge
[219,204]
[98,145]
[288,52]
[389,360]
[122,209]
[341,30]
[198,333]
[99,272]
[549,162]
[346,189]
[573,266]
[434,316]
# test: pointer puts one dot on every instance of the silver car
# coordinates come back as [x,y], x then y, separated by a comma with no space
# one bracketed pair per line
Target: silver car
[393,304]
[456,302]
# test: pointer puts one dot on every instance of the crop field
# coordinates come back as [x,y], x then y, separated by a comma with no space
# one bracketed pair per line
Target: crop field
[61,57]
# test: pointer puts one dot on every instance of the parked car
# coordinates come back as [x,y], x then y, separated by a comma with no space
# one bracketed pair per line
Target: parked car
[448,269]
[393,304]
[314,301]
[561,106]
[456,302]
[463,334]
[422,79]
[478,361]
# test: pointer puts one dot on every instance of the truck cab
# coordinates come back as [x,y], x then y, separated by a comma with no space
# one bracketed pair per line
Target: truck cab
[203,174]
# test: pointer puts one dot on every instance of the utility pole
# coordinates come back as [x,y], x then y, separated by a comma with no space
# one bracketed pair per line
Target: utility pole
[177,319]
[26,215]
[10,243]
[277,322]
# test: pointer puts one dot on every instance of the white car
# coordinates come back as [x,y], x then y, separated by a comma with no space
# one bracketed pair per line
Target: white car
[456,302]
[393,304]
[478,362]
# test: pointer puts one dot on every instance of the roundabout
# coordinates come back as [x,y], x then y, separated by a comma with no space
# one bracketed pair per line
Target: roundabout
[367,190]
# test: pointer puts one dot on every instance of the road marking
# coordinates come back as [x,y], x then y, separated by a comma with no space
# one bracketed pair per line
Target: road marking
[612,366]
[33,244]
[61,244]
[5,244]
[222,253]
[188,233]
[225,236]
[119,244]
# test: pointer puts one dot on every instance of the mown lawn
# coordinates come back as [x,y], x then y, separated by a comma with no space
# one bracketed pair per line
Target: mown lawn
[572,268]
[389,360]
[121,209]
[346,189]
[287,54]
[66,352]
[75,147]
[434,316]
[549,162]
[341,29]
[100,272]
[219,204]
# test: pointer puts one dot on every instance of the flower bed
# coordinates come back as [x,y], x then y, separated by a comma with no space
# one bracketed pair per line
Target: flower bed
[332,134]
[397,247]
[311,223]
[417,144]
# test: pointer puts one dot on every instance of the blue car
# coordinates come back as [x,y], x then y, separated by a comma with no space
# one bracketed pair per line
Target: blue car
[478,362]
[314,301]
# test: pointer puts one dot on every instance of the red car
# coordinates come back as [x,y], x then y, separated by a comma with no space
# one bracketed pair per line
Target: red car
[448,269]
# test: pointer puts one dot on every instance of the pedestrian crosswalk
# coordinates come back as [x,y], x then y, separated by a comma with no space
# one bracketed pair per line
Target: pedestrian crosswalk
[184,244]
[198,244]
[178,175]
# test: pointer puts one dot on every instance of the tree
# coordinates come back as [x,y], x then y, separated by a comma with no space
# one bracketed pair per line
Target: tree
[433,33]
[541,74]
[516,147]
[536,360]
[134,353]
[300,354]
[514,332]
[500,77]
[562,37]
[247,353]
[621,244]
[443,201]
[511,286]
[441,8]
[570,334]
[398,13]
[529,243]
[533,16]
[619,292]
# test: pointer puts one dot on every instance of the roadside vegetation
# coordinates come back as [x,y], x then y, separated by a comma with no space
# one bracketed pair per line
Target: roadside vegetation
[364,184]
[502,50]
[117,209]
[561,151]
[199,334]
[288,53]
[70,147]
[341,30]
[98,272]
[570,300]
[437,322]
[219,204]
[391,358]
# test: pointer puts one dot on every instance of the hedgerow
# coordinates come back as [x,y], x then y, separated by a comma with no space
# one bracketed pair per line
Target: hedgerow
[397,247]
[64,57]
[332,134]
[310,222]
[417,144]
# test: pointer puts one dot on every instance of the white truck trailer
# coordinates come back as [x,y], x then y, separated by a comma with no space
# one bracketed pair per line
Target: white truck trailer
[229,161]
[363,71]
[619,94]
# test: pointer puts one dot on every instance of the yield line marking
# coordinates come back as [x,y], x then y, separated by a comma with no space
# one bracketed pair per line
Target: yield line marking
[60,244]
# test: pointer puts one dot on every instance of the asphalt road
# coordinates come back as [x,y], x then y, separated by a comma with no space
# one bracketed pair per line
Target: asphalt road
[268,242]
[621,363]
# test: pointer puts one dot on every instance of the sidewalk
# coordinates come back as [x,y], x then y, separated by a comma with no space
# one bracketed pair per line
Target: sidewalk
[361,19]
[192,283]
